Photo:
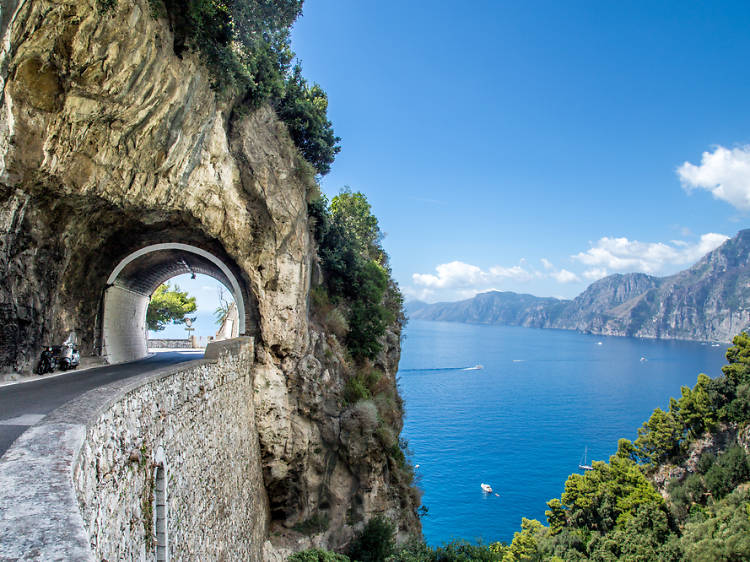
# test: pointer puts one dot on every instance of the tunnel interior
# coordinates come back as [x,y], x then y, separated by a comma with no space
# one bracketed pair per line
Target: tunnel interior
[134,279]
[64,257]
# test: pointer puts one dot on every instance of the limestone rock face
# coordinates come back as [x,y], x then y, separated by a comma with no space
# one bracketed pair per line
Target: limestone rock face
[109,142]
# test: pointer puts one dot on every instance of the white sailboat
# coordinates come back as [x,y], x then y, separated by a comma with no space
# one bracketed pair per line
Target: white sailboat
[582,465]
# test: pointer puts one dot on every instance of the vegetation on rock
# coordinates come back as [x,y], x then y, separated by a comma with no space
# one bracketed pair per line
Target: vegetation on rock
[245,44]
[361,308]
[356,272]
[168,305]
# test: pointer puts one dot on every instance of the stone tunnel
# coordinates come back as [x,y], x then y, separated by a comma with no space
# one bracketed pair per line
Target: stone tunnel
[102,158]
[130,285]
[91,272]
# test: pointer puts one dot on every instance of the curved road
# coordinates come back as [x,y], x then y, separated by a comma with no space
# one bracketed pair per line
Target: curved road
[23,405]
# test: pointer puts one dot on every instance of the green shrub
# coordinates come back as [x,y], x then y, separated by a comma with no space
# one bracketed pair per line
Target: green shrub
[317,555]
[415,550]
[375,543]
[462,551]
[739,408]
[304,109]
[316,523]
[355,390]
[721,533]
[706,461]
[105,5]
[355,270]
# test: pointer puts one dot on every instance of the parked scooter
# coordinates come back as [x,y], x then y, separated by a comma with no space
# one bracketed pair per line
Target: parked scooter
[68,357]
[47,362]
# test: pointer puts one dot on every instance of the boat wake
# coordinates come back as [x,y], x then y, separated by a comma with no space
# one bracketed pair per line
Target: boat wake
[433,369]
[440,369]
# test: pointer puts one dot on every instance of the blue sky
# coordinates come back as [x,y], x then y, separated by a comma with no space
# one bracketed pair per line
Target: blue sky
[534,146]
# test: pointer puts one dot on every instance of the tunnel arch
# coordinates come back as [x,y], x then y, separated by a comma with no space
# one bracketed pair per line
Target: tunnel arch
[134,279]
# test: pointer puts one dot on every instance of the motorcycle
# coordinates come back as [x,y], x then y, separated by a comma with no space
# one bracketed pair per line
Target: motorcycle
[68,357]
[47,362]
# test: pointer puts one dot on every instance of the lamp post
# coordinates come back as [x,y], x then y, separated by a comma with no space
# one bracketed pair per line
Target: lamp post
[189,329]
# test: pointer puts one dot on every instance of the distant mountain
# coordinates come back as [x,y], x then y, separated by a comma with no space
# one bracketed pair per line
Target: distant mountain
[709,301]
[494,307]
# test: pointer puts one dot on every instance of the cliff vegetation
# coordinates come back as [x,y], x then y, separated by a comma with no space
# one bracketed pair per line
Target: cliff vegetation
[245,45]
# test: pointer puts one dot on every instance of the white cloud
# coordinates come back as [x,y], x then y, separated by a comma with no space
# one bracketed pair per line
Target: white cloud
[516,272]
[460,275]
[464,280]
[451,275]
[411,293]
[723,172]
[565,276]
[595,273]
[621,254]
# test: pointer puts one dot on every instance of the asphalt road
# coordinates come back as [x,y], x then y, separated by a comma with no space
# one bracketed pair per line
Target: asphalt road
[23,405]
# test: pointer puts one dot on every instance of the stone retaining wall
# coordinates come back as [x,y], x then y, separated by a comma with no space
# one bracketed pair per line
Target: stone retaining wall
[163,343]
[193,342]
[195,420]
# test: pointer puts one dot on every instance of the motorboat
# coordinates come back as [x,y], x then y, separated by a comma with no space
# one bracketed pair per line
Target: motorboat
[486,488]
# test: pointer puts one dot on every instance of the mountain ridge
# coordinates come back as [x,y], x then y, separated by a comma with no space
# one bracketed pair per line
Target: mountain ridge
[709,301]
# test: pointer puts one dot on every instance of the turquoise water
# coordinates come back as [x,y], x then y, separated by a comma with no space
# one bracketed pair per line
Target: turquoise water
[521,424]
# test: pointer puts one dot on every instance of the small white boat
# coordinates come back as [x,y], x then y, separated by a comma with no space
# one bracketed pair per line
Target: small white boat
[486,488]
[582,465]
[598,343]
[474,368]
[643,359]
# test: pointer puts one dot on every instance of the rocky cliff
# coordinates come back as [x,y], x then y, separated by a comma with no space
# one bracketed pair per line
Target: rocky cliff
[709,301]
[109,142]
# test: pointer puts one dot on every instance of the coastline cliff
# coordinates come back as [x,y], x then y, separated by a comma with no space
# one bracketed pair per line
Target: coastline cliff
[113,136]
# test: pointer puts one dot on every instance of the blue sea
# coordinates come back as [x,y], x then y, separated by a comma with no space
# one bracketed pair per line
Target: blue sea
[205,325]
[524,421]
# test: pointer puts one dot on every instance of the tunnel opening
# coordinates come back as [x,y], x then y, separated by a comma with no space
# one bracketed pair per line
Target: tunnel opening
[132,282]
[59,256]
[215,316]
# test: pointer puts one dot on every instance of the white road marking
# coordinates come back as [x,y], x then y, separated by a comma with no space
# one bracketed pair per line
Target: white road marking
[25,419]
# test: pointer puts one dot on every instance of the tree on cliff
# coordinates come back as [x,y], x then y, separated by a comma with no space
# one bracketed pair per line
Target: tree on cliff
[356,269]
[168,305]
